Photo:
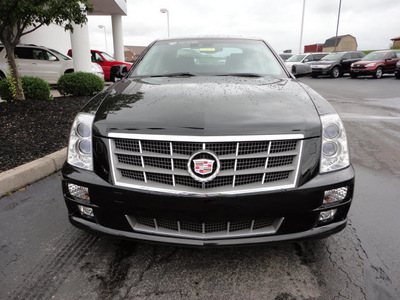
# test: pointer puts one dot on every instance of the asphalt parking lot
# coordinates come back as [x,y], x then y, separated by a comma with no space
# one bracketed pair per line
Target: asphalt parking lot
[43,257]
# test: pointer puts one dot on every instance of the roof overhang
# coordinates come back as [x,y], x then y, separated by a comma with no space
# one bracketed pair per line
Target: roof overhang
[109,7]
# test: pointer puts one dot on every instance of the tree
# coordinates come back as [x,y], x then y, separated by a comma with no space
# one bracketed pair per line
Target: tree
[20,17]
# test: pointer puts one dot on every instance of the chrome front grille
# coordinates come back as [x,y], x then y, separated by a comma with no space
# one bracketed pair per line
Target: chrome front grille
[200,230]
[160,163]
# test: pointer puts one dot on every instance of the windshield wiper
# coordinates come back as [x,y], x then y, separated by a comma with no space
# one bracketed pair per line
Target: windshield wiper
[187,74]
[242,75]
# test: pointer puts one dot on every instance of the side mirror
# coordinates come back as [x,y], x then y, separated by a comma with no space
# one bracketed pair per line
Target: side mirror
[306,60]
[100,60]
[118,72]
[52,58]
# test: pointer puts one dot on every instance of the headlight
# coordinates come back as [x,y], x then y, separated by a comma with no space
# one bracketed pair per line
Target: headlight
[96,68]
[80,142]
[352,65]
[370,65]
[334,149]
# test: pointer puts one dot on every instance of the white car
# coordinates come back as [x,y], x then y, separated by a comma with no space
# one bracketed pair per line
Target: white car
[297,64]
[42,62]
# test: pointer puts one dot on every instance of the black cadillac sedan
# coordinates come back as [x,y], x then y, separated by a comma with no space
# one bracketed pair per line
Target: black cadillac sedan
[208,142]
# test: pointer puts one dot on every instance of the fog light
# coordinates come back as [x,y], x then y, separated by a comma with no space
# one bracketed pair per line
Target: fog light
[86,211]
[78,191]
[335,195]
[326,216]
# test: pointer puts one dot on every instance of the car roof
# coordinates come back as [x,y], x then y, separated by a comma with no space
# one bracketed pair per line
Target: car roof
[216,37]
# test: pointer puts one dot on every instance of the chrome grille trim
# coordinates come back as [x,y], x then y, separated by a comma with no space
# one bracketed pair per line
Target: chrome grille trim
[202,231]
[250,164]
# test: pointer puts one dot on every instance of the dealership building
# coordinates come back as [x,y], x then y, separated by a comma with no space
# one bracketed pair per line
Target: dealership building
[55,37]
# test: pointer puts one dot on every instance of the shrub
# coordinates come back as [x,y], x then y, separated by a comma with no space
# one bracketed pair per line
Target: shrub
[34,89]
[79,84]
[5,92]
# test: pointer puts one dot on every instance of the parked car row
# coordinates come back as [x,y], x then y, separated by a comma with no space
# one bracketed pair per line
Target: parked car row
[105,61]
[50,65]
[376,64]
[355,63]
[42,62]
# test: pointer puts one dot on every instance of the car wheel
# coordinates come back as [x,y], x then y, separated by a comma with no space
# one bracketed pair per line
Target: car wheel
[378,73]
[335,73]
[314,75]
[352,75]
[397,75]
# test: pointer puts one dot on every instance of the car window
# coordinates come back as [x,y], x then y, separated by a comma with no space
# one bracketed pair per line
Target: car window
[49,56]
[23,53]
[296,58]
[107,56]
[391,56]
[63,56]
[332,56]
[398,54]
[209,57]
[355,55]
[39,54]
[318,56]
[346,56]
[96,57]
[310,58]
[374,56]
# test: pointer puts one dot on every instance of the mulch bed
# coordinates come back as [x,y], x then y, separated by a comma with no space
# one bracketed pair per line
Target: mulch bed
[31,129]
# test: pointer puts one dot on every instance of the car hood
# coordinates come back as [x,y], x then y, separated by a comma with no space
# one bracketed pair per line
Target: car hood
[325,62]
[206,106]
[366,62]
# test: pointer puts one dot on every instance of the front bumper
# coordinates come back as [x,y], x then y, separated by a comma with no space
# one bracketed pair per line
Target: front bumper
[321,71]
[363,72]
[298,208]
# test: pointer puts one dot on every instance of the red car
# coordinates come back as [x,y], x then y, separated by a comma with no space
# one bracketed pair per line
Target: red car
[376,64]
[106,61]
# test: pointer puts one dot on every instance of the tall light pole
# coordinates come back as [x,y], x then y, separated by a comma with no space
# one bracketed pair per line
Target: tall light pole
[337,26]
[105,35]
[302,23]
[163,11]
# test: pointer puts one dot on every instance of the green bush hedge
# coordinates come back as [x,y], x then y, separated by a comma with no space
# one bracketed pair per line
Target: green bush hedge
[34,89]
[79,84]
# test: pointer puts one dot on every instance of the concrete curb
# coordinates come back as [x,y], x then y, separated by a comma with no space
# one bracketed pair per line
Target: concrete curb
[21,176]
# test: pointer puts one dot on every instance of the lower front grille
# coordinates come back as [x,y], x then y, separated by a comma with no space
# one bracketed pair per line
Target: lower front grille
[210,230]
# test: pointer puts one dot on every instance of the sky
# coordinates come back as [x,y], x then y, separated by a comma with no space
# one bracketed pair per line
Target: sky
[372,22]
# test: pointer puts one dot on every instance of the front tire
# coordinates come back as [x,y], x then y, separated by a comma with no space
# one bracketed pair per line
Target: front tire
[397,75]
[378,73]
[335,73]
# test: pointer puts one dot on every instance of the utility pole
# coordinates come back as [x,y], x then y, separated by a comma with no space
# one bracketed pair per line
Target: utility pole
[302,23]
[337,26]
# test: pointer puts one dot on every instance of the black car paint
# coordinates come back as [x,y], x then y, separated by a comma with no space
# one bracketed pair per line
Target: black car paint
[342,64]
[209,106]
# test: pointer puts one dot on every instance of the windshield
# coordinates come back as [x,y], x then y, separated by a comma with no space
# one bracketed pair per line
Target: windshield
[296,58]
[333,56]
[209,57]
[107,57]
[63,56]
[374,56]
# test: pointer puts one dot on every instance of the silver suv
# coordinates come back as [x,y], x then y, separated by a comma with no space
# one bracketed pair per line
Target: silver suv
[38,61]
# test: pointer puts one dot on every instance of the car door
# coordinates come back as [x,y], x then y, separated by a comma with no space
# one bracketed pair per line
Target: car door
[390,62]
[46,65]
[25,60]
[346,62]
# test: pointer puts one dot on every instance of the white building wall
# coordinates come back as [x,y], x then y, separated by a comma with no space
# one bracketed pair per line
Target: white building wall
[53,37]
